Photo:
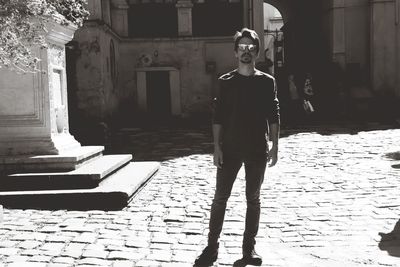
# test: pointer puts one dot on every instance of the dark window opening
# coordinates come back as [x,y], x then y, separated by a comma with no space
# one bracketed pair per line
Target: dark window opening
[217,18]
[158,94]
[152,20]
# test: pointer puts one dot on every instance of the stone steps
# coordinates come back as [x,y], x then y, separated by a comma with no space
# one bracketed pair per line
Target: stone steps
[87,176]
[112,193]
[66,161]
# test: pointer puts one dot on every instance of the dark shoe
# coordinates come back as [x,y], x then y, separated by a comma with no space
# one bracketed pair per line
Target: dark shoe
[251,257]
[207,257]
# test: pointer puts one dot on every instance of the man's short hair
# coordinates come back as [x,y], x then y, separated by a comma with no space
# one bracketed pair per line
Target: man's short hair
[246,32]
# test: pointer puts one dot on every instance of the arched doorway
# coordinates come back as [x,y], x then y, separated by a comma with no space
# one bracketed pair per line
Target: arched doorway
[294,31]
[274,52]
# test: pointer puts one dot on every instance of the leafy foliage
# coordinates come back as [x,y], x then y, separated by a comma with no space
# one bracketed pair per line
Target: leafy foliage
[22,26]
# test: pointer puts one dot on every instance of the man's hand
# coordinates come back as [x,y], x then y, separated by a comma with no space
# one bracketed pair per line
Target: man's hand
[273,156]
[218,157]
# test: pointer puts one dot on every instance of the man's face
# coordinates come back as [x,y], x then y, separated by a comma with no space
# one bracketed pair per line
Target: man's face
[246,51]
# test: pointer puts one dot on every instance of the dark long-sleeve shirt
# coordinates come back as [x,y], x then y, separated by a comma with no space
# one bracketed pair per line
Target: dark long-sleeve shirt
[243,107]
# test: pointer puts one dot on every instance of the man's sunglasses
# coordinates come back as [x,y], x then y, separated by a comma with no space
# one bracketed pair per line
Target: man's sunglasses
[250,47]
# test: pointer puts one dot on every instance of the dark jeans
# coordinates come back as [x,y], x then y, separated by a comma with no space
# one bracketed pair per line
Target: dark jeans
[255,169]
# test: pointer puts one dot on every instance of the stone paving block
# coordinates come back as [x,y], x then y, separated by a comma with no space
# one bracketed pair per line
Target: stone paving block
[190,239]
[49,229]
[71,221]
[8,243]
[63,260]
[59,265]
[160,255]
[22,237]
[8,251]
[94,261]
[174,230]
[160,246]
[35,236]
[314,243]
[30,252]
[28,228]
[55,238]
[79,228]
[29,244]
[40,258]
[121,255]
[115,226]
[91,253]
[50,246]
[123,264]
[185,247]
[27,264]
[73,253]
[137,243]
[17,258]
[147,263]
[184,256]
[118,248]
[87,238]
[163,239]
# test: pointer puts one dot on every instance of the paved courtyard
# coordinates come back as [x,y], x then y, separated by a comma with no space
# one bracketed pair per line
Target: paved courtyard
[334,190]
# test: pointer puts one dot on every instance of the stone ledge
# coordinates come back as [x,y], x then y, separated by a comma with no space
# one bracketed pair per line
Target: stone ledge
[67,160]
[87,176]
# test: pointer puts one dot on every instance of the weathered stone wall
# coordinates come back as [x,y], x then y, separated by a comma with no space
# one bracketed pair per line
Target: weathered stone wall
[189,56]
[367,33]
[385,56]
[356,21]
[97,92]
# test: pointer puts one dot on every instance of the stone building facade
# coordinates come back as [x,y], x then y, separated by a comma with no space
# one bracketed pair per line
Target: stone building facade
[161,58]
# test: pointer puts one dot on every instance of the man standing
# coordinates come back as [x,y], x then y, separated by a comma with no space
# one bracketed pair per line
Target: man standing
[246,104]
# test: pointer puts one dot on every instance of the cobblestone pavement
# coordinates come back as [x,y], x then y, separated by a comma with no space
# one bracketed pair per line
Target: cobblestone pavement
[325,203]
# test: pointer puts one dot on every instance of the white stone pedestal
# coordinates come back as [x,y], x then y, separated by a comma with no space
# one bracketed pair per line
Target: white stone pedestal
[34,107]
[41,163]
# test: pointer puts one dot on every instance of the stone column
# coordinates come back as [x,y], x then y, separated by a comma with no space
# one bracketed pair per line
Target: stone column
[258,24]
[119,17]
[338,32]
[33,107]
[184,9]
[385,34]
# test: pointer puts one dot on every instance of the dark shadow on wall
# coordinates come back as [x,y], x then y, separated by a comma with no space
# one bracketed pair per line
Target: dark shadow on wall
[390,242]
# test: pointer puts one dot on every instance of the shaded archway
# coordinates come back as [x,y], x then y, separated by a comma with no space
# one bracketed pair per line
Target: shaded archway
[305,47]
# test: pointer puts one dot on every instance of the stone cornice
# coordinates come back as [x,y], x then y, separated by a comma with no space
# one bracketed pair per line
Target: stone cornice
[58,33]
[103,26]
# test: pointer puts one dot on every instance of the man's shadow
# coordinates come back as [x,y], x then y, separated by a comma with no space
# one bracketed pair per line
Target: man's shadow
[390,242]
[394,156]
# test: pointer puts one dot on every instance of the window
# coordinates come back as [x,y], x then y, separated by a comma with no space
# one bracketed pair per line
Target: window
[217,17]
[153,19]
